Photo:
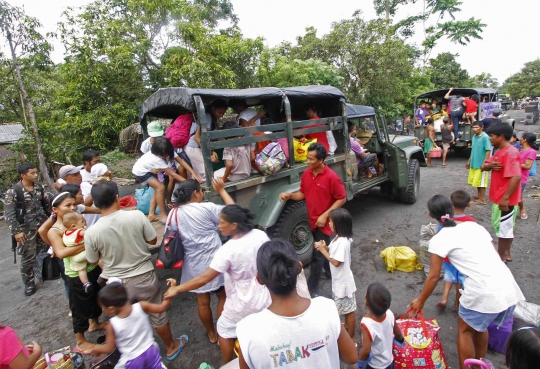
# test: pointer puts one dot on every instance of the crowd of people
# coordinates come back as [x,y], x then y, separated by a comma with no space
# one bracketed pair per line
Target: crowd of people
[259,283]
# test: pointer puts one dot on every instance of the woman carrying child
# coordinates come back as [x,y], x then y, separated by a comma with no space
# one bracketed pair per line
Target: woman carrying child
[153,162]
[236,259]
[293,330]
[84,306]
[338,254]
[528,157]
[197,221]
[490,292]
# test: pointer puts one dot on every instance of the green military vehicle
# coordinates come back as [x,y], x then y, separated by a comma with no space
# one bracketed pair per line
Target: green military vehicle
[489,100]
[286,107]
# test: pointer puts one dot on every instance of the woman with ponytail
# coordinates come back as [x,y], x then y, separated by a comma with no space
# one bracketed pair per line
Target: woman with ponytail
[198,221]
[490,292]
[528,158]
[297,331]
[236,260]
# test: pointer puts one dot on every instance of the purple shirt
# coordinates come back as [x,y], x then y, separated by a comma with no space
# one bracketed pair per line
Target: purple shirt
[421,115]
[357,149]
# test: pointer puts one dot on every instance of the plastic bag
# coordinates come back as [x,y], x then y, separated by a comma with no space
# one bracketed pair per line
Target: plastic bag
[422,346]
[301,149]
[426,233]
[402,258]
[143,197]
[532,172]
[528,312]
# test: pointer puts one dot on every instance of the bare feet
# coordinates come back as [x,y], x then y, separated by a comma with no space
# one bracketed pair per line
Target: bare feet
[441,306]
[213,337]
[479,202]
[85,347]
[474,197]
[153,217]
[162,219]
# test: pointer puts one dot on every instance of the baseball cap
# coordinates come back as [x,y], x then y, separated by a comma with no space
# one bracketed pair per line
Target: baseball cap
[155,129]
[99,169]
[68,169]
[497,111]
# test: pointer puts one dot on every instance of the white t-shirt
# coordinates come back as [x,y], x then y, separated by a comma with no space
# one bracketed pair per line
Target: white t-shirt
[134,334]
[237,260]
[305,341]
[87,176]
[247,115]
[241,159]
[146,145]
[489,287]
[91,219]
[381,335]
[149,163]
[342,276]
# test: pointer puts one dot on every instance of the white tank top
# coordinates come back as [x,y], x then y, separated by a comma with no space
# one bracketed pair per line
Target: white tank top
[133,334]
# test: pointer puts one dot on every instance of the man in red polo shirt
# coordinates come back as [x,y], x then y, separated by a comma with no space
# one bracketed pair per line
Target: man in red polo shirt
[323,191]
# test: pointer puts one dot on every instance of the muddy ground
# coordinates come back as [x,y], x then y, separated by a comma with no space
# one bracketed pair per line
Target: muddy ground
[43,316]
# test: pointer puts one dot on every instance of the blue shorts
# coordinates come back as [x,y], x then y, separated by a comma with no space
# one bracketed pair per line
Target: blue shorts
[480,321]
[451,274]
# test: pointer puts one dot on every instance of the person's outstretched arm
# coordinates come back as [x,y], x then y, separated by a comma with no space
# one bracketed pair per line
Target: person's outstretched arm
[295,196]
[219,187]
[110,342]
[197,282]
[435,267]
[346,347]
[149,307]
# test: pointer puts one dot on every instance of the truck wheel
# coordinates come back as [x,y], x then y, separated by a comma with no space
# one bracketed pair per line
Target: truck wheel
[293,226]
[410,194]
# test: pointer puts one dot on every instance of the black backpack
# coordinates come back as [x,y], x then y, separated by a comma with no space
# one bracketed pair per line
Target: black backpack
[46,268]
[20,205]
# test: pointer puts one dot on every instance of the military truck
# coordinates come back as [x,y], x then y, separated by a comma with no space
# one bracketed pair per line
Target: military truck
[488,102]
[401,156]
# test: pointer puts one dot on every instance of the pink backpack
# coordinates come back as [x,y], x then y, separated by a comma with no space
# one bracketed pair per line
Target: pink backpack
[178,132]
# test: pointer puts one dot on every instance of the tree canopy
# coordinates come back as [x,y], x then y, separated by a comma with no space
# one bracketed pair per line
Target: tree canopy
[118,52]
[525,83]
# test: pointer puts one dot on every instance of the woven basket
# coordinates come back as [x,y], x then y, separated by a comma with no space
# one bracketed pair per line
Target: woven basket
[40,364]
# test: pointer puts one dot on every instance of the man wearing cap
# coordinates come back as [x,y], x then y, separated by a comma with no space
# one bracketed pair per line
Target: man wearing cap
[489,121]
[26,207]
[155,129]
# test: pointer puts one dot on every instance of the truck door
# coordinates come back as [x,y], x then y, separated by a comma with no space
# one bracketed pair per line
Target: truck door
[395,159]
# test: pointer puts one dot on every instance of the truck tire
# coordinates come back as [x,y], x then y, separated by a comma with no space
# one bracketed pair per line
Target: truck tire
[293,226]
[410,194]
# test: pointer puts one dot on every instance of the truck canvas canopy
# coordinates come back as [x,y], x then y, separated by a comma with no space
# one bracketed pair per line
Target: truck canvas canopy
[359,111]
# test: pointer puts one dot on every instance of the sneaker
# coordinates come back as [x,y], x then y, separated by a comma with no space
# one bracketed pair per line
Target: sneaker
[30,289]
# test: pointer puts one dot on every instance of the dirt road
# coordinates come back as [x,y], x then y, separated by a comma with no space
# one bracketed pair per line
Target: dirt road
[379,222]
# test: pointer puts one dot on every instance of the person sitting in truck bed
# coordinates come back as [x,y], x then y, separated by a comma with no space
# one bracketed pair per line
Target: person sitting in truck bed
[237,159]
[245,113]
[313,113]
[364,159]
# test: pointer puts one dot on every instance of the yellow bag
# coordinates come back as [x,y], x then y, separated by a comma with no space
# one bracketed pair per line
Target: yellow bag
[300,149]
[402,258]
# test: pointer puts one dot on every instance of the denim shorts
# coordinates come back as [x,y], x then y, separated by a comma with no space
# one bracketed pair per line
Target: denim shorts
[480,321]
[451,274]
[145,179]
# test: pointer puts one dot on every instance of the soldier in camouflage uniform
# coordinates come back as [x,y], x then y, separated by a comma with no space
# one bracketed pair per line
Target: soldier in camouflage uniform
[24,224]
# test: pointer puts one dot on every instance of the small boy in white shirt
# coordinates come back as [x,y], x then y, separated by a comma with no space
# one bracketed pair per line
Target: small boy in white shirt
[338,254]
[379,330]
[237,159]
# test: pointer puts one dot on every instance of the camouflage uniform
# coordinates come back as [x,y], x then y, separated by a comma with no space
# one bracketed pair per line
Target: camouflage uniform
[35,216]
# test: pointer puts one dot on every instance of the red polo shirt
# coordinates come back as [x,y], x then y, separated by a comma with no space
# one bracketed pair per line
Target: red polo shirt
[320,193]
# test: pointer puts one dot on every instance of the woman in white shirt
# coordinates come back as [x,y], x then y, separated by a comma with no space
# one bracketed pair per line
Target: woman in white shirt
[236,260]
[293,330]
[490,292]
[198,221]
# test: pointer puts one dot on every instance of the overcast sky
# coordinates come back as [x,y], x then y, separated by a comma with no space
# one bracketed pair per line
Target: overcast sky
[509,40]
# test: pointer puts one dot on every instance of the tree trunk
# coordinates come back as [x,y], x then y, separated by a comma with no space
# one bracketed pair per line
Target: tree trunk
[41,159]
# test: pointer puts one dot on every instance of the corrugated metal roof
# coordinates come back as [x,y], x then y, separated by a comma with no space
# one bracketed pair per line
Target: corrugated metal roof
[10,133]
[5,153]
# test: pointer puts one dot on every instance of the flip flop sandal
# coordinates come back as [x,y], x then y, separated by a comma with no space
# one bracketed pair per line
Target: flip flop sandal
[161,222]
[153,219]
[525,217]
[478,203]
[182,345]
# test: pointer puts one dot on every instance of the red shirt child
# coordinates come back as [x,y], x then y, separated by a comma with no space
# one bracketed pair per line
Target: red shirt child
[471,106]
[511,167]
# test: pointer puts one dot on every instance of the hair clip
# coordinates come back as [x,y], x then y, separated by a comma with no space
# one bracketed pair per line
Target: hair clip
[445,217]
